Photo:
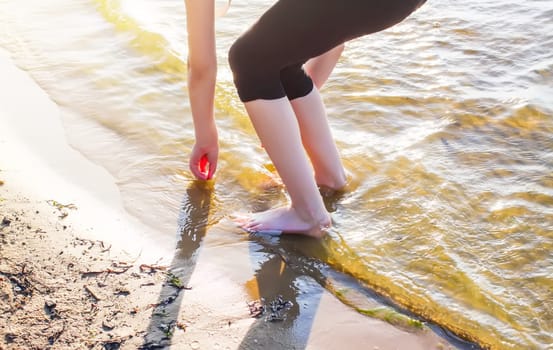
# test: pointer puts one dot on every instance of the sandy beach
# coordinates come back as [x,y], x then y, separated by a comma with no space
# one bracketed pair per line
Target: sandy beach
[78,272]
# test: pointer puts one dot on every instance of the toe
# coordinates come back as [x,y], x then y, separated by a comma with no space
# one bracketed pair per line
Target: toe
[241,218]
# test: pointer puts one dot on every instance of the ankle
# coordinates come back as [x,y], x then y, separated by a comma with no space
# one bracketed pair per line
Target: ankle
[336,182]
[317,219]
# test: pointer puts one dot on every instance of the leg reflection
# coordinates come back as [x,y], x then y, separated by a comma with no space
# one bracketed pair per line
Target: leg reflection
[288,269]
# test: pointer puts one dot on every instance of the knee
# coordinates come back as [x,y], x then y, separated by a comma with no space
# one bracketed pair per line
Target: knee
[295,81]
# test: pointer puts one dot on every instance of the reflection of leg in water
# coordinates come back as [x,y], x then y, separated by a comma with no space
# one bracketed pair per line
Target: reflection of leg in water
[192,227]
[193,219]
[289,272]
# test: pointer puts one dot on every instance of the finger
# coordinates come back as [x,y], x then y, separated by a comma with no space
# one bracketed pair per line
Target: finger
[195,169]
[212,168]
[197,174]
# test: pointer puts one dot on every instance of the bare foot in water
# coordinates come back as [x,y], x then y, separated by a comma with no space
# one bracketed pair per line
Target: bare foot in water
[283,220]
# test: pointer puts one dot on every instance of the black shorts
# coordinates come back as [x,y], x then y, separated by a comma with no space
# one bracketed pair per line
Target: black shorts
[267,59]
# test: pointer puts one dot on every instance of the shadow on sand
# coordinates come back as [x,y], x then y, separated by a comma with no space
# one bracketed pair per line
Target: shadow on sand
[192,228]
[284,273]
[289,270]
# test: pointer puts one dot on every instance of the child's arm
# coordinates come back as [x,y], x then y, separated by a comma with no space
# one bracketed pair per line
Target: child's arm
[202,72]
[320,67]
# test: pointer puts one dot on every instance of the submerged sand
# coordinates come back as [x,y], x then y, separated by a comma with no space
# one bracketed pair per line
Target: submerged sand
[78,272]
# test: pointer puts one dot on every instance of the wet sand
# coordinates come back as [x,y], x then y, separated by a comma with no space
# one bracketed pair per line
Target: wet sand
[77,272]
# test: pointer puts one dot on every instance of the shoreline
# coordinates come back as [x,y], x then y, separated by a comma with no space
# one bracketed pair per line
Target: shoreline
[77,271]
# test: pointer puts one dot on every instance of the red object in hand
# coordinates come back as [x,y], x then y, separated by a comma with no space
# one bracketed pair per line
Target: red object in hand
[204,165]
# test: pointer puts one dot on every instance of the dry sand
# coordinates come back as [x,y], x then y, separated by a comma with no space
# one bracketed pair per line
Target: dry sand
[77,272]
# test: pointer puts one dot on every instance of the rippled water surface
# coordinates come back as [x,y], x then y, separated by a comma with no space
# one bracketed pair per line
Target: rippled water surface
[444,122]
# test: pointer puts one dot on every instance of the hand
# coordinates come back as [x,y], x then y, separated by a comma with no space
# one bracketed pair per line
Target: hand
[203,161]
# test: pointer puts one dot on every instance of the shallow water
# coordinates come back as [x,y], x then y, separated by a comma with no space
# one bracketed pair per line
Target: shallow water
[444,122]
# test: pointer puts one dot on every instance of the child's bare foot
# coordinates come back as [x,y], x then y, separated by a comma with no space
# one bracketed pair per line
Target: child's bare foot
[284,220]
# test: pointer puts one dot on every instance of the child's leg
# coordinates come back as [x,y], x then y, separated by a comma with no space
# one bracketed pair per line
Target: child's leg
[311,114]
[278,130]
[318,141]
[320,67]
[287,35]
